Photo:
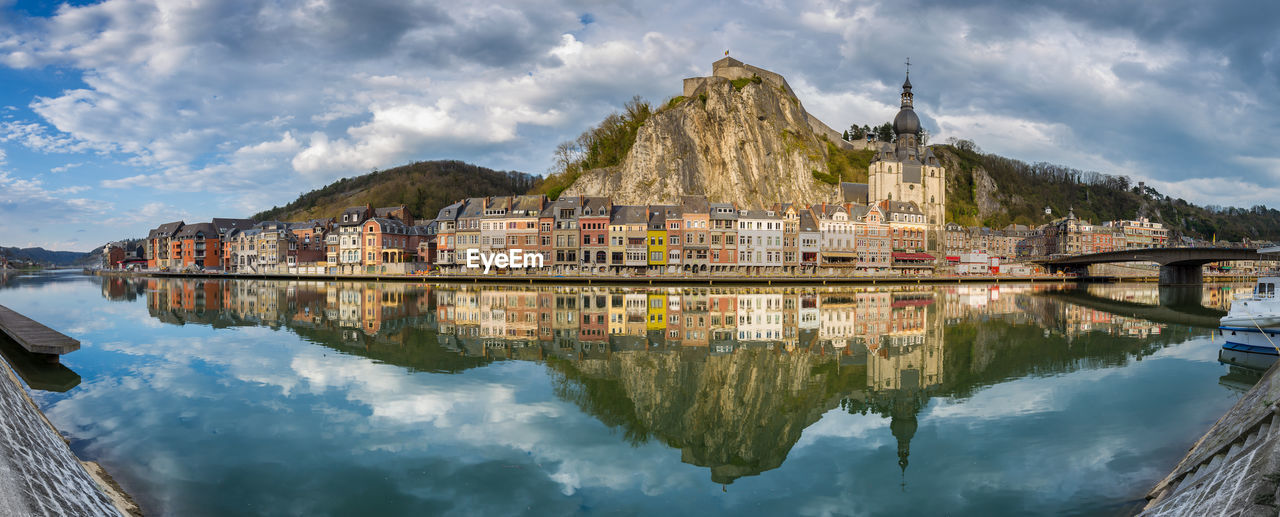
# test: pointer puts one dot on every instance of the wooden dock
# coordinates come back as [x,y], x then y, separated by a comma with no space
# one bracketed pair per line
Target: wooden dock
[35,337]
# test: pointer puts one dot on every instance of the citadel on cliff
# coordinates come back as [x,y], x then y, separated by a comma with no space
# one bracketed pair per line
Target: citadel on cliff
[904,178]
[741,136]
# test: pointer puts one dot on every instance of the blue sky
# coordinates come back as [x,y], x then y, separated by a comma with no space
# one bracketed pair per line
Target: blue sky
[119,115]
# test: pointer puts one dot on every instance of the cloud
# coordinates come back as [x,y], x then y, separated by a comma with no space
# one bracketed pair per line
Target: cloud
[65,168]
[33,201]
[244,169]
[278,97]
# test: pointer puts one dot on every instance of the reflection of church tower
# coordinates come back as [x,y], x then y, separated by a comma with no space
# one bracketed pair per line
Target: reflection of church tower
[903,425]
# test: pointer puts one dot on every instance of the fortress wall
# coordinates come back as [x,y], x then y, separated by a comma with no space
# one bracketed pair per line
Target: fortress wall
[691,85]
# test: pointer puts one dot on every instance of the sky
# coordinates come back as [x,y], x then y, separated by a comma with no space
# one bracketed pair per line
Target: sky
[117,116]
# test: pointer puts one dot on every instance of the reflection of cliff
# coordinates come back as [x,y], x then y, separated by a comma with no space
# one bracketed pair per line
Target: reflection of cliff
[738,414]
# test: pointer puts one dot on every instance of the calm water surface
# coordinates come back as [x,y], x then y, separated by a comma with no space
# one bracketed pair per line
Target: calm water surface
[318,398]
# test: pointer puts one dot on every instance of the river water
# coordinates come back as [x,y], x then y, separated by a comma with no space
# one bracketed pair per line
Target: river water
[247,397]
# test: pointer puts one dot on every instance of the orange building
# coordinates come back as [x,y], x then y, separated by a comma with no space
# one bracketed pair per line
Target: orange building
[198,244]
[158,245]
[388,241]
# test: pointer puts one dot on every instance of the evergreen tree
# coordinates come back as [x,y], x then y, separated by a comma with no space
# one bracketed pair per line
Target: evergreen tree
[885,133]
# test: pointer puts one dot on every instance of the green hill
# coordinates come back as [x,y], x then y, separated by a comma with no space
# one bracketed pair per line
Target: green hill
[424,187]
[46,257]
[994,191]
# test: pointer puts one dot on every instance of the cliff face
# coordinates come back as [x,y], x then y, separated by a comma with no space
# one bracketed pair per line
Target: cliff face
[747,141]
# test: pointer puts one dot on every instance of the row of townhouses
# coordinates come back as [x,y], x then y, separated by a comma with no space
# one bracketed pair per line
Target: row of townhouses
[1064,236]
[361,239]
[569,234]
[594,235]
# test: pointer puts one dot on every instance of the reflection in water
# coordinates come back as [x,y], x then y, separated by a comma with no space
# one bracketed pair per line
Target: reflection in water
[729,376]
[38,372]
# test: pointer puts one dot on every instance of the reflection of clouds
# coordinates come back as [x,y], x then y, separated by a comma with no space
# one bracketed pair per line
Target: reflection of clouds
[1021,397]
[838,423]
[195,388]
[1202,349]
[198,420]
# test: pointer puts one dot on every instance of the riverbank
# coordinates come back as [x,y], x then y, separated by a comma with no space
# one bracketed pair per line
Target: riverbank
[670,280]
[39,474]
[1234,469]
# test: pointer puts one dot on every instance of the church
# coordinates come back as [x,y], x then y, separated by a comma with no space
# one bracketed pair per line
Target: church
[906,171]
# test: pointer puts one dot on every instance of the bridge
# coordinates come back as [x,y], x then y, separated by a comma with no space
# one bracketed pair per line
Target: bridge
[1178,266]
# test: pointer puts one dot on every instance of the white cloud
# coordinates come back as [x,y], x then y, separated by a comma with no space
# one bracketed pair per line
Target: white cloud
[65,168]
[31,197]
[262,100]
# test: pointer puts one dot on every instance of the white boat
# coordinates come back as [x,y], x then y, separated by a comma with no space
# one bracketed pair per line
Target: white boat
[1253,323]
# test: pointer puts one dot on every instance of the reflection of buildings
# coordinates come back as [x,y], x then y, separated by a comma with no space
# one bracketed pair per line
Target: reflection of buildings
[730,376]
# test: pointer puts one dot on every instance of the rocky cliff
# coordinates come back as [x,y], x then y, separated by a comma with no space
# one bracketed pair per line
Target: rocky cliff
[746,140]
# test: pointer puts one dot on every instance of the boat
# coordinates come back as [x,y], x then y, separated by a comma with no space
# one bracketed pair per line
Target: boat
[1252,325]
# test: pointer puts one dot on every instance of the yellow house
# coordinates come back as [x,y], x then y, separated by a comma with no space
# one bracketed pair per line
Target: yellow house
[657,315]
[657,237]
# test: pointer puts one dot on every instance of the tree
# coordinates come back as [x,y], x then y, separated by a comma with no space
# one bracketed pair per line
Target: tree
[856,133]
[884,133]
[845,136]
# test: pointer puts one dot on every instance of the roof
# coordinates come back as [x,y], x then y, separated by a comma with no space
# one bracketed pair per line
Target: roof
[825,211]
[358,212]
[165,230]
[474,207]
[388,225]
[225,225]
[694,204]
[657,217]
[271,225]
[526,206]
[900,207]
[450,212]
[807,222]
[563,203]
[386,212]
[758,214]
[859,211]
[312,223]
[723,211]
[189,231]
[628,214]
[854,192]
[595,206]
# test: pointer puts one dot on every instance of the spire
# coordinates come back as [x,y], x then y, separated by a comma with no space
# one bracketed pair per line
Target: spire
[903,428]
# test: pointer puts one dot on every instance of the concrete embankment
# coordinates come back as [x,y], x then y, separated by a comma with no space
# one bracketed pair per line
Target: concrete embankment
[39,475]
[1234,469]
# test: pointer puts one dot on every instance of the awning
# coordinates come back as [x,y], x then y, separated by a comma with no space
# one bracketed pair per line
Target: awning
[912,256]
[953,259]
[840,254]
[911,302]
